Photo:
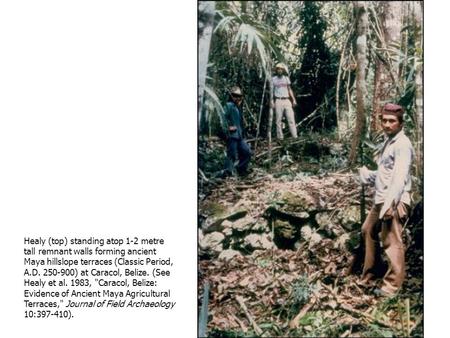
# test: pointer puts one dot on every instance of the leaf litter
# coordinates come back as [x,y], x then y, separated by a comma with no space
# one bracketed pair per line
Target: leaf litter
[276,285]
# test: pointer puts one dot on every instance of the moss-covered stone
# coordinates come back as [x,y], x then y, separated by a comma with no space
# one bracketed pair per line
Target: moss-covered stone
[216,224]
[349,217]
[213,209]
[297,202]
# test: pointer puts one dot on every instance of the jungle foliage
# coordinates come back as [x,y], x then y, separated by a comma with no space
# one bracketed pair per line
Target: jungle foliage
[275,246]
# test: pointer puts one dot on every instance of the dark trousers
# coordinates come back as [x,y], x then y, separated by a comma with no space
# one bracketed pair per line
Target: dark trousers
[237,149]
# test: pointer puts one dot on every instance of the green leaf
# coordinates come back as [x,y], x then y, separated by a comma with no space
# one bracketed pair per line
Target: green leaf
[217,104]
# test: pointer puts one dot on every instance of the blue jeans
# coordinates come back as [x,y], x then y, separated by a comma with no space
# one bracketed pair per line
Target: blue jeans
[237,149]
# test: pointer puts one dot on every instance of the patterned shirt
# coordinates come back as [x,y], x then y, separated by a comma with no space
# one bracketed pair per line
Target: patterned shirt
[280,86]
[392,180]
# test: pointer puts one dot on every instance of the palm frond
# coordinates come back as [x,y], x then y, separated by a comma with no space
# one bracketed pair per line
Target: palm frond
[248,36]
[216,103]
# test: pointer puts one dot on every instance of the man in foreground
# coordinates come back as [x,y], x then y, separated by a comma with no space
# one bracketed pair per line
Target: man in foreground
[392,200]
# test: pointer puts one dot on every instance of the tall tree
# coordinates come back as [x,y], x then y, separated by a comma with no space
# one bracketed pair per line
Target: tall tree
[341,118]
[318,72]
[206,10]
[418,64]
[361,88]
[271,19]
[387,62]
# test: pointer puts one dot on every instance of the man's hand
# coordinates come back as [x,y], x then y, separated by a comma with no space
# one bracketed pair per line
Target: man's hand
[389,215]
[294,103]
[366,176]
[232,128]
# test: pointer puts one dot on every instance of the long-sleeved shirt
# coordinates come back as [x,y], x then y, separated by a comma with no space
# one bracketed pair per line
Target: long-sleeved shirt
[233,117]
[392,179]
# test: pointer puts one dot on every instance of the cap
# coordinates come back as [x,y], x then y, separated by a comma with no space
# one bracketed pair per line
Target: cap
[393,109]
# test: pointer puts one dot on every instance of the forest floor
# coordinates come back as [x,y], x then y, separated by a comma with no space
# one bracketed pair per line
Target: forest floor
[299,282]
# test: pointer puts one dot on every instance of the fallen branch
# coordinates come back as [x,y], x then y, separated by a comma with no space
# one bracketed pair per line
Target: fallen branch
[260,112]
[257,329]
[247,186]
[364,315]
[241,324]
[400,314]
[408,328]
[287,143]
[310,115]
[354,312]
[267,151]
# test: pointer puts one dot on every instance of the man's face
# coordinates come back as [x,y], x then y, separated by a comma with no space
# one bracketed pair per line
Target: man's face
[237,99]
[391,125]
[279,71]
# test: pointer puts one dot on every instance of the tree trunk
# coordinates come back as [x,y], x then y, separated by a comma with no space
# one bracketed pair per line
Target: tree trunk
[206,10]
[340,118]
[418,65]
[402,73]
[361,90]
[387,63]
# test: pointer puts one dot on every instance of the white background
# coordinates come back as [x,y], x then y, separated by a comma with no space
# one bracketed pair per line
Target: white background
[98,138]
[437,189]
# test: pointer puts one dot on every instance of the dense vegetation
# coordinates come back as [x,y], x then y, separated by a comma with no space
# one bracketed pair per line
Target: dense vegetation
[345,61]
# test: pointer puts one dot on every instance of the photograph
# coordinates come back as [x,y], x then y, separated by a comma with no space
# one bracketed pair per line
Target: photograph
[310,156]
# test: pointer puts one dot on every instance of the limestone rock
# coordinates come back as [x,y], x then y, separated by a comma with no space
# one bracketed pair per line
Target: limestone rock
[350,217]
[243,224]
[323,219]
[315,239]
[212,242]
[260,227]
[256,241]
[227,224]
[229,254]
[341,242]
[306,232]
[227,231]
[302,214]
